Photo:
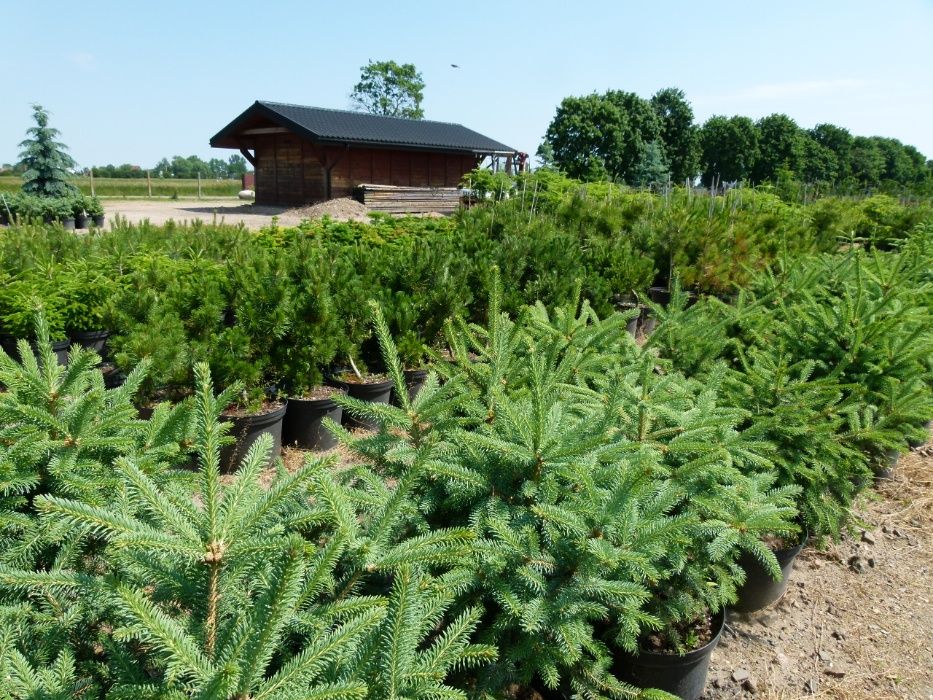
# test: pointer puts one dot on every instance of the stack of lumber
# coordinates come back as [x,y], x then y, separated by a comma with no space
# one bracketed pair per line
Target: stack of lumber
[409,200]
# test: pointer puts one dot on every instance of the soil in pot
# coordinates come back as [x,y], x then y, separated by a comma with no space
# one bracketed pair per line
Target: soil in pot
[92,340]
[303,425]
[760,590]
[246,429]
[374,388]
[681,675]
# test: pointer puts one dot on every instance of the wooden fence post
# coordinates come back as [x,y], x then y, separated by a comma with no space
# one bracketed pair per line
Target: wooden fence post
[92,182]
[199,184]
[149,183]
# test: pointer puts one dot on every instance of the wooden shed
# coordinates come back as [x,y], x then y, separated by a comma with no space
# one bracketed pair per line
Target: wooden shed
[308,154]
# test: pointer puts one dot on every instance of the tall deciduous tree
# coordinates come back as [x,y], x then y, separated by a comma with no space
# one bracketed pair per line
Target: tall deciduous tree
[599,136]
[729,147]
[678,132]
[837,140]
[390,89]
[780,147]
[45,161]
[586,137]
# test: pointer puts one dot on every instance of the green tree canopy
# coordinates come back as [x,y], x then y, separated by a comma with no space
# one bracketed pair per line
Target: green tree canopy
[599,136]
[837,140]
[45,161]
[390,89]
[585,137]
[780,147]
[729,147]
[678,132]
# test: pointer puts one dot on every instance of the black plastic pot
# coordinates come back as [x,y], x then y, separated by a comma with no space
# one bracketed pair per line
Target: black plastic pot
[59,347]
[659,295]
[246,430]
[69,223]
[414,380]
[647,321]
[376,392]
[760,590]
[81,220]
[885,468]
[303,424]
[92,340]
[683,676]
[8,343]
[98,220]
[632,324]
[113,377]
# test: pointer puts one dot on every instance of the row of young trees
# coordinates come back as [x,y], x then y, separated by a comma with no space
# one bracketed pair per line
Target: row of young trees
[623,137]
[554,496]
[179,167]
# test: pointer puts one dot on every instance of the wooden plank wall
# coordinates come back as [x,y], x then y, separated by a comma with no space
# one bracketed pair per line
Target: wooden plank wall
[289,169]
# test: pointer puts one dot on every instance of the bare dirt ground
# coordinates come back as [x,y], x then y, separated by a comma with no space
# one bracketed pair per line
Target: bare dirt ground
[228,211]
[856,622]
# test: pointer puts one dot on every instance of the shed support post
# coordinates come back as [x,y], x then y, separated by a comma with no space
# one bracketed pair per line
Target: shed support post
[251,158]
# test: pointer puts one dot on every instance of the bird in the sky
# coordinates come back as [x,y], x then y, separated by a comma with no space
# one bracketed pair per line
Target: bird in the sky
[454,65]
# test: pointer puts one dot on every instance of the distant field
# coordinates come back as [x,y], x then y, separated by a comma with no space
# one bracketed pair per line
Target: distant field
[120,187]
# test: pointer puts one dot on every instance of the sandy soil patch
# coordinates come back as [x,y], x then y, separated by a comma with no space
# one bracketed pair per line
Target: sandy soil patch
[229,211]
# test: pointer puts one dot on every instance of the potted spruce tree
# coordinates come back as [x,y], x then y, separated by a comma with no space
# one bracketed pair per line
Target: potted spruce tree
[359,351]
[311,343]
[95,210]
[79,206]
[814,450]
[21,298]
[86,293]
[262,300]
[708,465]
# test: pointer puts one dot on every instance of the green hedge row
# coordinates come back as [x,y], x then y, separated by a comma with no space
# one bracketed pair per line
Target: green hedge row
[293,301]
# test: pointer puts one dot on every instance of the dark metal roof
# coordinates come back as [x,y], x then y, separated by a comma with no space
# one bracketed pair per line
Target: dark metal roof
[343,127]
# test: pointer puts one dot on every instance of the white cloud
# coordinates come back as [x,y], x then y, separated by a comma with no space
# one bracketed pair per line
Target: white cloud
[81,59]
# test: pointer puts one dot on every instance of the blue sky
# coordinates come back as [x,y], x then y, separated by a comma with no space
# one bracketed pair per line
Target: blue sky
[132,82]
